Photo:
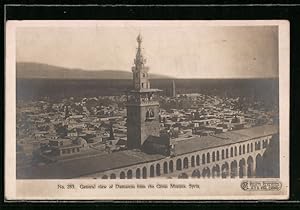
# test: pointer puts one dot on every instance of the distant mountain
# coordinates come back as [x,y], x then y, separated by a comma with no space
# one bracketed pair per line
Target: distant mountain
[30,70]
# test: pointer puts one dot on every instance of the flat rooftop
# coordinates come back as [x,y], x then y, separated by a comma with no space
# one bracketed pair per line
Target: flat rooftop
[97,163]
[205,142]
[86,165]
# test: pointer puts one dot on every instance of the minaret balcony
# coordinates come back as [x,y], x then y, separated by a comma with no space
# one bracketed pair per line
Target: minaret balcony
[149,102]
[141,103]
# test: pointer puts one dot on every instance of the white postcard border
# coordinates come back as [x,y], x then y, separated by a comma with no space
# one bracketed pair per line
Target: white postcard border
[210,189]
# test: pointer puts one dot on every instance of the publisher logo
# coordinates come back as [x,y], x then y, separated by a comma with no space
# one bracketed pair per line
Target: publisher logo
[261,185]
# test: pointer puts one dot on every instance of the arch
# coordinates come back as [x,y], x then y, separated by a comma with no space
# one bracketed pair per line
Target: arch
[178,165]
[235,151]
[206,172]
[203,158]
[250,168]
[196,174]
[264,143]
[251,147]
[122,175]
[112,176]
[152,171]
[144,172]
[183,176]
[197,160]
[171,166]
[248,148]
[157,169]
[240,150]
[129,174]
[138,173]
[208,157]
[185,162]
[216,171]
[213,156]
[193,161]
[233,169]
[227,153]
[104,177]
[257,145]
[223,154]
[242,168]
[225,170]
[231,151]
[165,166]
[244,149]
[259,166]
[218,155]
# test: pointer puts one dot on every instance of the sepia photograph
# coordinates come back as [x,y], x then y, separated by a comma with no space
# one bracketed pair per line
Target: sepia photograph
[124,102]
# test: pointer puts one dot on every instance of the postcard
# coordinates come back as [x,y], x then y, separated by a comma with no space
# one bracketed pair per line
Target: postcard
[147,110]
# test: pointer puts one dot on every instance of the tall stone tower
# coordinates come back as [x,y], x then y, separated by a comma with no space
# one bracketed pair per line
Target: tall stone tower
[173,89]
[142,104]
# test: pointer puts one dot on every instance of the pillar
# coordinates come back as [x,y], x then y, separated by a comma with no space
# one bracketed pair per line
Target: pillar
[254,167]
[229,171]
[246,169]
[148,171]
[238,169]
[190,162]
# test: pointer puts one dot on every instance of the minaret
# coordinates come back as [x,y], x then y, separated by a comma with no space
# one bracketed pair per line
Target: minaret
[67,112]
[173,89]
[139,70]
[142,104]
[111,132]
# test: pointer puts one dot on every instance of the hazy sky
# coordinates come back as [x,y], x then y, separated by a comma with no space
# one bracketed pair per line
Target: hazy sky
[181,49]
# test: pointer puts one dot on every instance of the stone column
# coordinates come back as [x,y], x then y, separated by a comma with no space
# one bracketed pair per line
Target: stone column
[246,169]
[229,171]
[161,168]
[238,170]
[189,162]
[254,167]
[134,173]
[148,171]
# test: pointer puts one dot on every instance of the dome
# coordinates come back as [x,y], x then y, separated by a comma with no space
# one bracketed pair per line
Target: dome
[80,141]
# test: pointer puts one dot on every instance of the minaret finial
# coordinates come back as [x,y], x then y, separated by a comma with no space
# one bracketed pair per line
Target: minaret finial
[139,59]
[139,38]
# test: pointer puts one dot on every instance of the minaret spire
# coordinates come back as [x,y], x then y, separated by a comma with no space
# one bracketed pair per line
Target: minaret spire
[140,71]
[139,58]
[139,39]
